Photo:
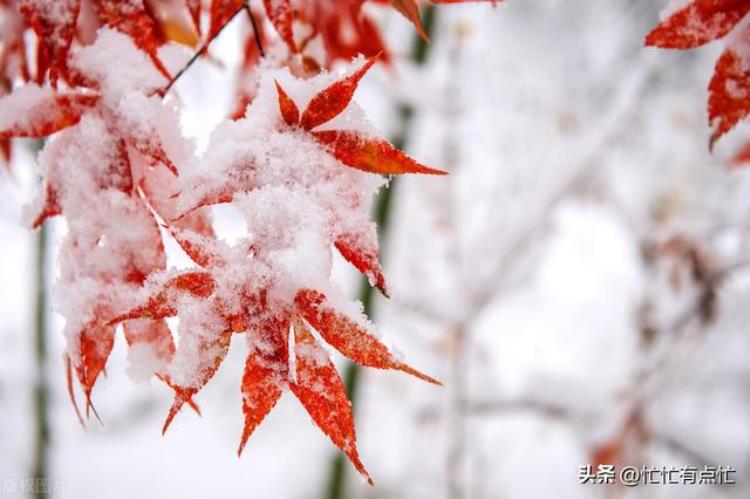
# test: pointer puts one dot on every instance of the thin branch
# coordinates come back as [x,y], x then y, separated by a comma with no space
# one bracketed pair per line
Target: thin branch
[207,43]
[584,165]
[256,32]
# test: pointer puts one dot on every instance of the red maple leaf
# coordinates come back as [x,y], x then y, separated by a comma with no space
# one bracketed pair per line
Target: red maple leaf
[701,22]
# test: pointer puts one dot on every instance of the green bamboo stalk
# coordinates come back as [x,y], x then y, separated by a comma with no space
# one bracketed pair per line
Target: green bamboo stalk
[383,207]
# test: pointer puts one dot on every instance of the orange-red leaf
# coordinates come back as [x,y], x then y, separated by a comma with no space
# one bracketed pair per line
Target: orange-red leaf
[69,384]
[729,93]
[48,115]
[196,223]
[319,388]
[212,355]
[155,153]
[698,23]
[266,373]
[157,335]
[55,25]
[50,207]
[332,100]
[221,11]
[364,257]
[348,337]
[280,14]
[95,344]
[370,154]
[194,8]
[410,10]
[134,21]
[288,108]
[162,304]
[742,156]
[5,151]
[154,333]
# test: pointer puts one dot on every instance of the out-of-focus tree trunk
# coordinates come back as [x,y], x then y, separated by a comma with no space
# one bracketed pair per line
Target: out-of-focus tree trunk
[337,475]
[39,470]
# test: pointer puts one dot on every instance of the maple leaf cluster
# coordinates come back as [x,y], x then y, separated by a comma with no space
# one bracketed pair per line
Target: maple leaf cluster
[699,22]
[116,167]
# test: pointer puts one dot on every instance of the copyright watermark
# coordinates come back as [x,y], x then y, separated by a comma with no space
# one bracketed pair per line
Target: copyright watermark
[631,476]
[24,485]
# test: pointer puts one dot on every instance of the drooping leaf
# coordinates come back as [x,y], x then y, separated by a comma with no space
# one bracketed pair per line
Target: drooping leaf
[95,344]
[55,25]
[410,10]
[356,250]
[266,373]
[155,334]
[319,388]
[211,355]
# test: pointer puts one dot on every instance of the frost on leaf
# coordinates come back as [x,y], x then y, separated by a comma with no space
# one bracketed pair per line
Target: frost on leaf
[700,22]
[55,25]
[729,90]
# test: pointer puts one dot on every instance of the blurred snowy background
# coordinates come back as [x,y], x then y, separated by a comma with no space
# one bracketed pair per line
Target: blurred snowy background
[580,283]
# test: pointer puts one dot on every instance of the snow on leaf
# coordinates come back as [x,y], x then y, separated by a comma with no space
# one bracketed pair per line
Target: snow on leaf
[728,92]
[33,111]
[163,303]
[332,100]
[211,354]
[96,342]
[156,337]
[698,23]
[50,207]
[131,18]
[54,24]
[264,378]
[370,154]
[355,250]
[348,337]
[191,231]
[319,388]
[280,14]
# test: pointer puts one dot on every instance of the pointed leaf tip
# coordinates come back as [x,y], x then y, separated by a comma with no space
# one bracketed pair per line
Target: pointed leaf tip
[288,108]
[331,101]
[370,154]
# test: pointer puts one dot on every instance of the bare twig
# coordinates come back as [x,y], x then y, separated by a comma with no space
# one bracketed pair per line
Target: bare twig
[207,43]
